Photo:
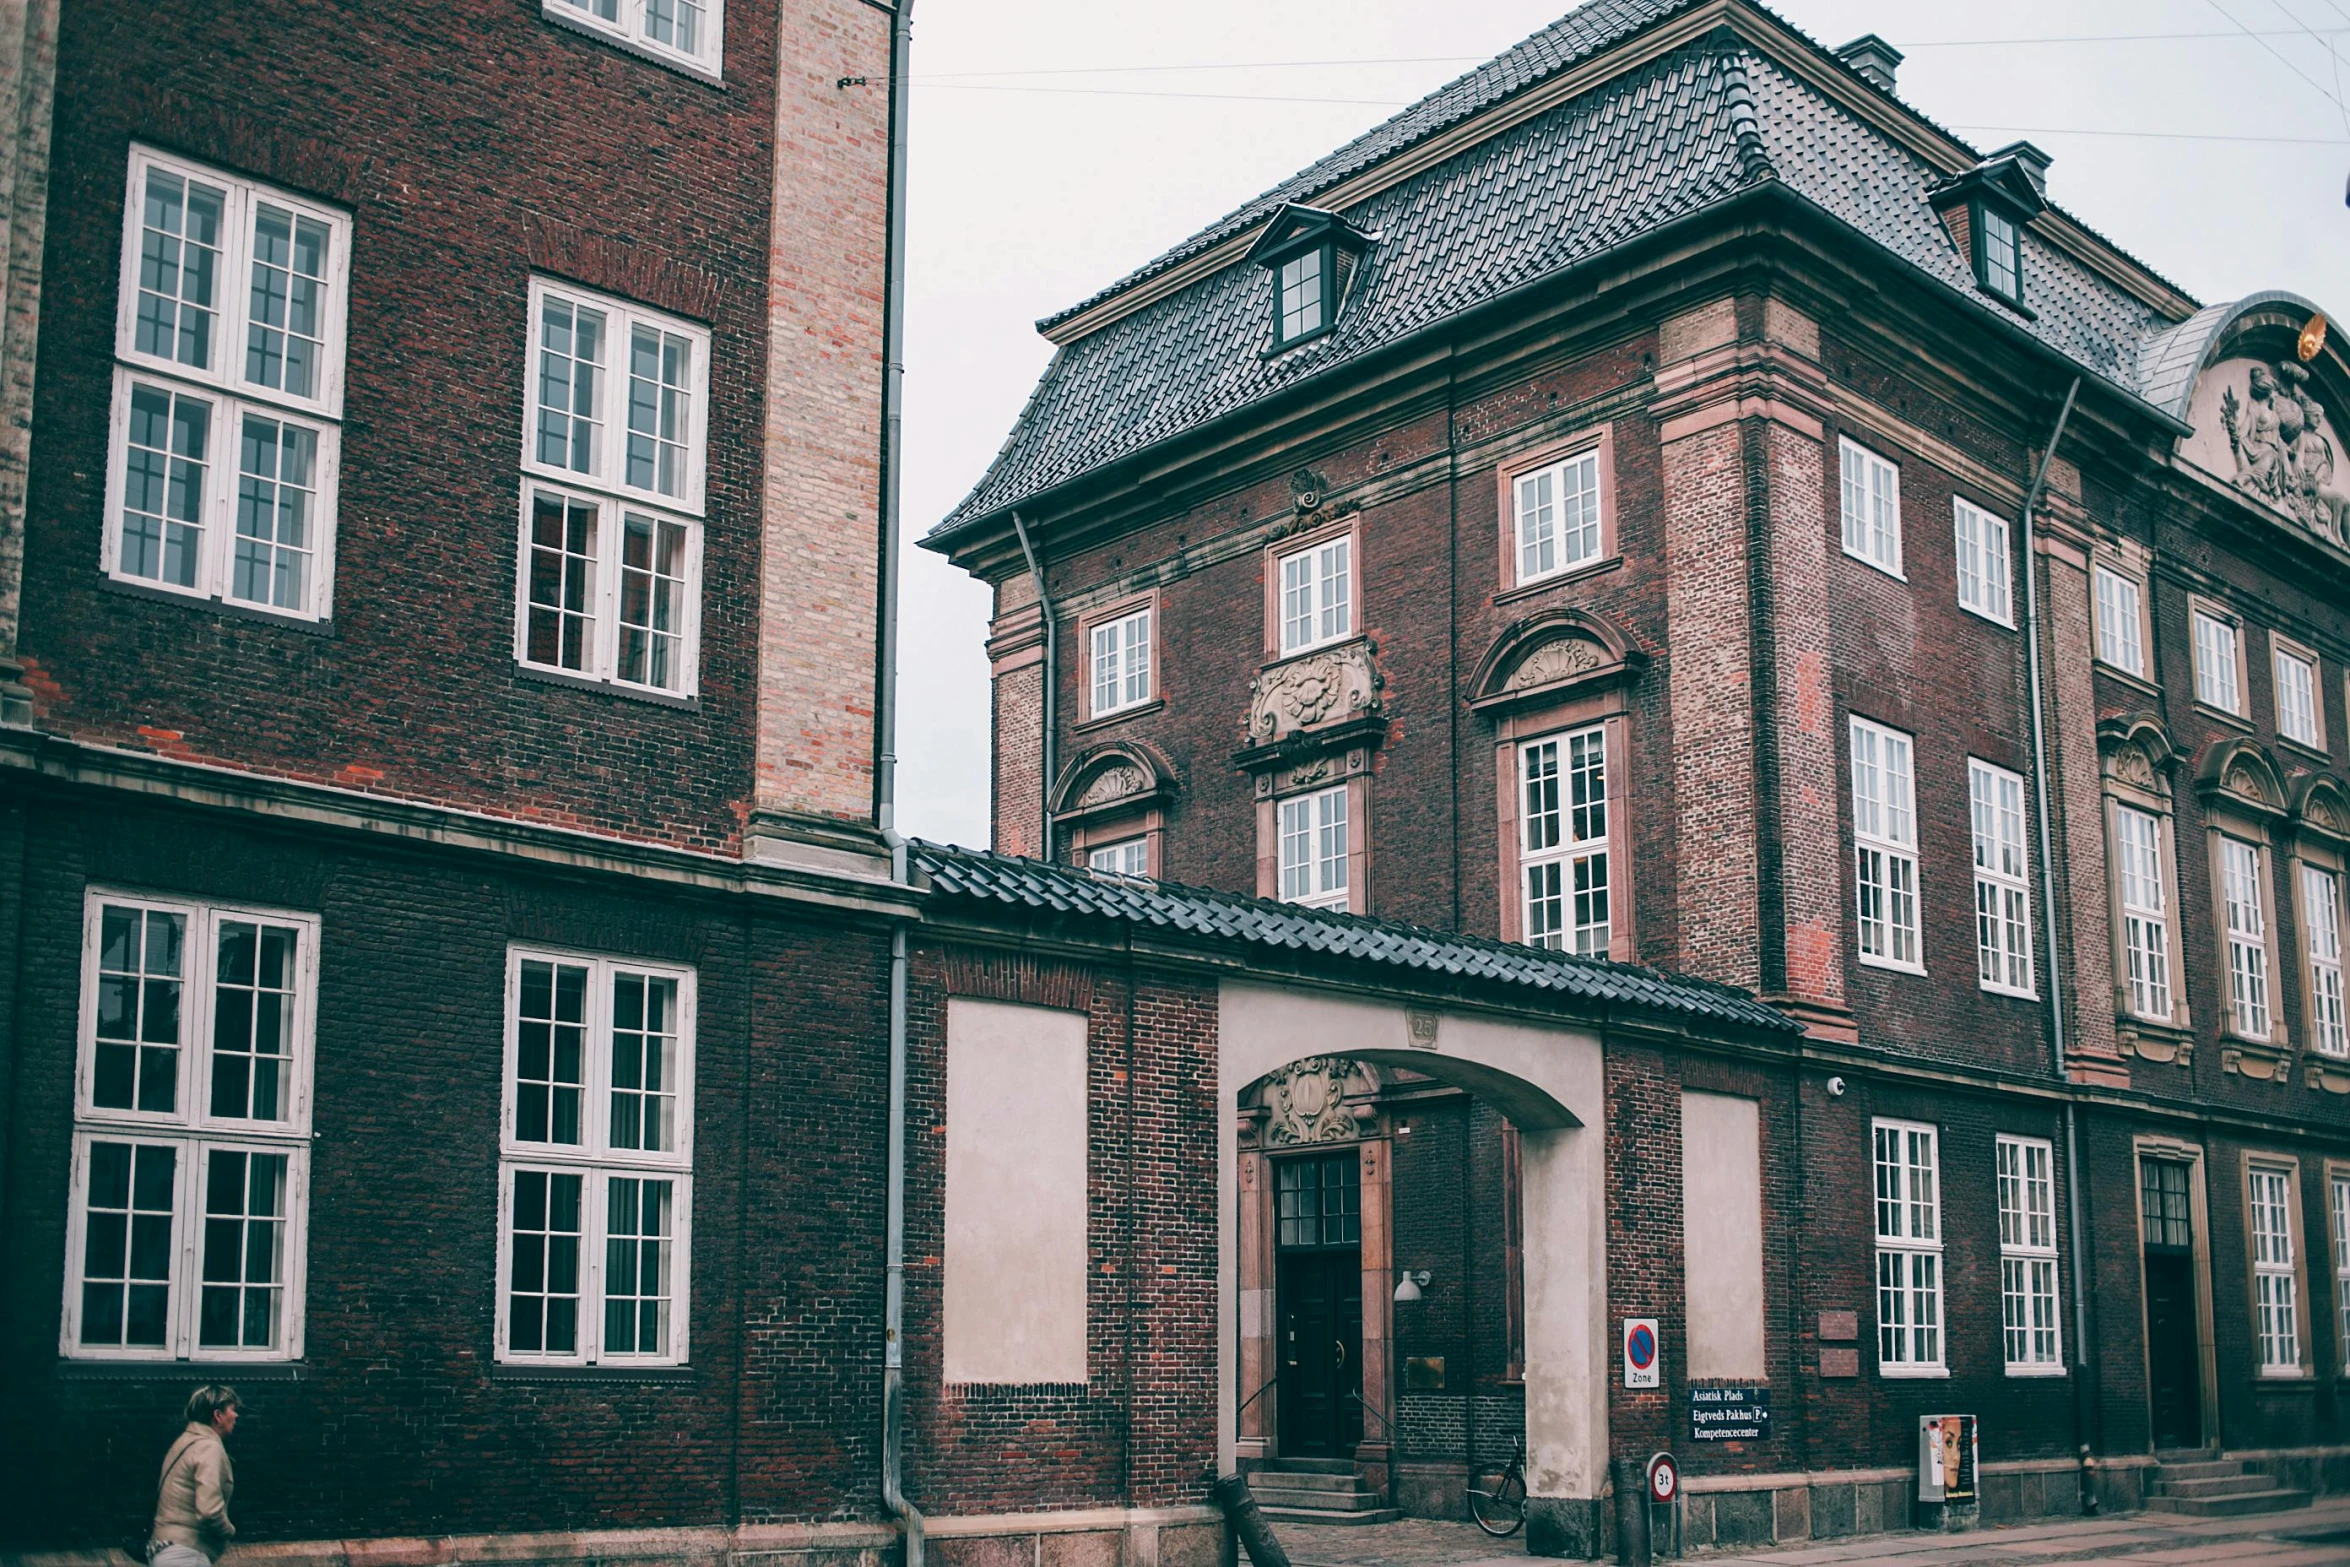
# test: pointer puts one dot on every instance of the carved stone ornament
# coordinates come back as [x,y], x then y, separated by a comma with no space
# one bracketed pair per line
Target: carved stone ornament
[1305,1102]
[1560,659]
[1307,489]
[1113,783]
[2240,781]
[2284,451]
[1309,692]
[2131,766]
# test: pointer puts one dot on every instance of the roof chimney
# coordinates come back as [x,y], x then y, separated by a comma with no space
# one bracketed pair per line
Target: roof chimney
[2030,159]
[1875,59]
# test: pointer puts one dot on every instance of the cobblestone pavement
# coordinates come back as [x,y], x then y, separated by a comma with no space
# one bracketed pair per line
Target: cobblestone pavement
[2310,1537]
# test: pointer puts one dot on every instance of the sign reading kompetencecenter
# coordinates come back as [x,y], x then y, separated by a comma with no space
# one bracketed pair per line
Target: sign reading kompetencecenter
[1730,1414]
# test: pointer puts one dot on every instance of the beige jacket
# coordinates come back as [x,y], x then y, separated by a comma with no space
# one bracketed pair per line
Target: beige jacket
[191,1500]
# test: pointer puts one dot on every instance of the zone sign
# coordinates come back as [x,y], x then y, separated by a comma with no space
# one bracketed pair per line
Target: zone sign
[1642,1353]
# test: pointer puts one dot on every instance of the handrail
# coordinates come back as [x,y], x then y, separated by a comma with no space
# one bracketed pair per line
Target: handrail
[1253,1397]
[1369,1409]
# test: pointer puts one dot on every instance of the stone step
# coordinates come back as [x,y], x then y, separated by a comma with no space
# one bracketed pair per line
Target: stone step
[1315,1515]
[1306,1479]
[2234,1506]
[2215,1485]
[2201,1469]
[1269,1496]
[1309,1466]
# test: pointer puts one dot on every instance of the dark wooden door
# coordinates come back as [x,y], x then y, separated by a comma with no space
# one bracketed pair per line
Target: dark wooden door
[1321,1353]
[2174,1357]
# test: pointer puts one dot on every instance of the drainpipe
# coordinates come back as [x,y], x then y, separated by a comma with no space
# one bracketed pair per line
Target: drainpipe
[2056,1027]
[1052,664]
[885,791]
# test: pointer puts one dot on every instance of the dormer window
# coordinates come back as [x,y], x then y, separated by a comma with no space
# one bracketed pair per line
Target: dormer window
[1313,258]
[1999,266]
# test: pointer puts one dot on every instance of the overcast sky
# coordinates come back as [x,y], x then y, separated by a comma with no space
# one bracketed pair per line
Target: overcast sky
[1058,144]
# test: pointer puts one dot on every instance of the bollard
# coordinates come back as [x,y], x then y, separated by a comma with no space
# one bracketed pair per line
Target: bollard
[1631,1513]
[1248,1523]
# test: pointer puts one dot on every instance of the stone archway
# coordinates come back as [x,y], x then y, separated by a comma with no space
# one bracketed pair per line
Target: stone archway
[1550,1082]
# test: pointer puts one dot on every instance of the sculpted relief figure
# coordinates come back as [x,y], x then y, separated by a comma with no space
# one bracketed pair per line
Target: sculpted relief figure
[2283,453]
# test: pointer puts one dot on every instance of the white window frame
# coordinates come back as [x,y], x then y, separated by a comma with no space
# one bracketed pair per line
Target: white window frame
[594,1160]
[1322,601]
[1127,857]
[1564,843]
[2276,1315]
[1906,1199]
[2338,1213]
[617,503]
[1309,880]
[191,1129]
[2134,884]
[2302,722]
[1121,670]
[1885,852]
[2321,945]
[2031,1315]
[2003,886]
[2219,669]
[223,387]
[627,23]
[2121,628]
[1570,525]
[1871,492]
[2244,936]
[1986,566]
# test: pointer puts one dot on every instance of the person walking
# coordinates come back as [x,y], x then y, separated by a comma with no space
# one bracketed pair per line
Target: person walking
[192,1525]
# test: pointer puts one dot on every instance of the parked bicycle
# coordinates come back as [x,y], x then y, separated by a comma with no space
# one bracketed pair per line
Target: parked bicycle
[1501,1511]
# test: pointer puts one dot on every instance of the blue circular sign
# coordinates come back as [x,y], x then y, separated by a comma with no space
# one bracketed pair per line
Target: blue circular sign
[1640,1345]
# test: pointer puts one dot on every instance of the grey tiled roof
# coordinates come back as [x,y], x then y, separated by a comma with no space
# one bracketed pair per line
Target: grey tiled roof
[1685,131]
[1006,881]
[2169,362]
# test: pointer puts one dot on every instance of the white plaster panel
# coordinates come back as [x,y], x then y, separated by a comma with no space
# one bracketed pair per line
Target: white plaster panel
[1015,1193]
[1721,1233]
[1551,1083]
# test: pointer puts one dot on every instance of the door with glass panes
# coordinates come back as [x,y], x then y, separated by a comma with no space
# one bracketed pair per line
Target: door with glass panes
[1319,1282]
[2174,1354]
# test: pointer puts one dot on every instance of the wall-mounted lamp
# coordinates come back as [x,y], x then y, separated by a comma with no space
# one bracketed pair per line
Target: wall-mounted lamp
[1407,1285]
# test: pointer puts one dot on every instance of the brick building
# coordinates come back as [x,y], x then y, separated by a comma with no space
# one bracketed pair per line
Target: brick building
[1665,498]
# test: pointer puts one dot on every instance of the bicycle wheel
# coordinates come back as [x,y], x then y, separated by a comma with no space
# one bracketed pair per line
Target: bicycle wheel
[1501,1512]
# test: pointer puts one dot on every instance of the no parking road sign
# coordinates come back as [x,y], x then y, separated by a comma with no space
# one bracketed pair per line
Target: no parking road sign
[1641,1353]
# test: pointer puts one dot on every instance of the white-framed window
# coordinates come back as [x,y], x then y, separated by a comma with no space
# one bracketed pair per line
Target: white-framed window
[2275,1284]
[2321,914]
[1885,846]
[1317,595]
[2145,910]
[1558,517]
[2003,897]
[2247,935]
[2338,1211]
[1872,507]
[1909,1249]
[1121,656]
[2027,1257]
[2121,634]
[2299,715]
[224,433]
[690,33]
[1985,569]
[1563,841]
[2216,683]
[1313,832]
[185,1239]
[1304,295]
[609,568]
[1126,857]
[595,1183]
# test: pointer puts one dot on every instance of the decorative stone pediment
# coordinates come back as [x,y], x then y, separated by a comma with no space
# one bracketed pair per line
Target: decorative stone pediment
[2281,442]
[2239,774]
[2321,808]
[1111,780]
[1560,653]
[1306,1101]
[2137,752]
[1316,691]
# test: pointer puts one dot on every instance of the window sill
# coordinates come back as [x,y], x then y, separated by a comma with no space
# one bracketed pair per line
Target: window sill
[1913,1373]
[608,1374]
[2232,720]
[1558,579]
[1299,341]
[559,677]
[219,606]
[69,1370]
[1915,970]
[1284,655]
[1891,571]
[2008,991]
[2116,672]
[2038,1373]
[2297,1382]
[2016,305]
[627,45]
[1117,716]
[1987,617]
[2316,753]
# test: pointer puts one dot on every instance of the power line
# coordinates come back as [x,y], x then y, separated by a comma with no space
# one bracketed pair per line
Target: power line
[2272,49]
[2075,130]
[1134,92]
